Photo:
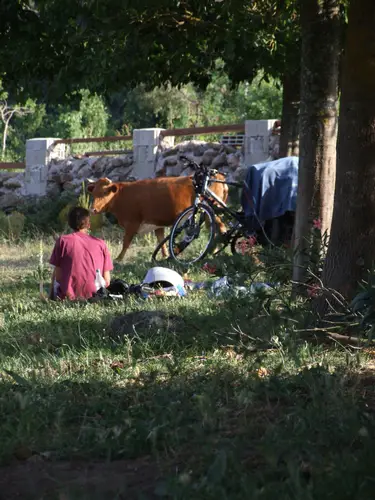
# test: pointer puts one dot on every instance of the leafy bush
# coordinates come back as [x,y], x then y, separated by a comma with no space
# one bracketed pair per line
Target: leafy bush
[163,106]
[50,214]
[220,102]
[11,226]
[89,119]
[63,215]
[43,214]
[96,221]
[91,115]
[83,200]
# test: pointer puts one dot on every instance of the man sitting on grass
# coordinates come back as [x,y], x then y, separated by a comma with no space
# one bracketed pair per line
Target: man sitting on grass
[77,257]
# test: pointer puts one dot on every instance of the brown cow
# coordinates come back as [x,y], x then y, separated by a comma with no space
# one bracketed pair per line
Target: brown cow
[147,205]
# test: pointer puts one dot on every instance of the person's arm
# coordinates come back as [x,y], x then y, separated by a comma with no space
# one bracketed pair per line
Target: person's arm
[56,276]
[52,288]
[55,261]
[107,278]
[58,273]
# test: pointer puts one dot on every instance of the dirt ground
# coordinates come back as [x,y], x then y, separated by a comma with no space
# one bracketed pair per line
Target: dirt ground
[37,479]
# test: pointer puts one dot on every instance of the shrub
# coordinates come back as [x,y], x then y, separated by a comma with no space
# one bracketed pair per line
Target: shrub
[63,215]
[11,226]
[83,200]
[96,221]
[43,214]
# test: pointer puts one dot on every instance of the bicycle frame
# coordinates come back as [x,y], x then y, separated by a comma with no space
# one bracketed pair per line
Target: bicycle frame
[208,195]
[217,208]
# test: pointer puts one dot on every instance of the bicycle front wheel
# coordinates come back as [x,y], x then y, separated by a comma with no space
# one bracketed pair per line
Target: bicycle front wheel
[192,234]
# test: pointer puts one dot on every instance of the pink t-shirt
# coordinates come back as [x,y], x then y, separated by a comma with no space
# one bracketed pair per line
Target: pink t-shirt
[79,255]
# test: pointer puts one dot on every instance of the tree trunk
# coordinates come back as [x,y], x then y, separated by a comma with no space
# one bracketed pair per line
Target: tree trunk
[320,25]
[290,115]
[351,251]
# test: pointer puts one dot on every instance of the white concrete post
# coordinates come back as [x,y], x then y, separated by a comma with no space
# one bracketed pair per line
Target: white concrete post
[39,153]
[146,142]
[257,140]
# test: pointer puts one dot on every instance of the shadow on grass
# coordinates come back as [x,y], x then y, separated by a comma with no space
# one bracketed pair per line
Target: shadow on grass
[200,324]
[213,430]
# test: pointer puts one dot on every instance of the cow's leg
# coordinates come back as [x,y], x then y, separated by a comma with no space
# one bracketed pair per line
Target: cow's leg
[220,224]
[159,233]
[130,231]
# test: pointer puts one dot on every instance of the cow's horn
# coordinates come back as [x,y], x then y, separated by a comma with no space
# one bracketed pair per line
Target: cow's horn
[91,181]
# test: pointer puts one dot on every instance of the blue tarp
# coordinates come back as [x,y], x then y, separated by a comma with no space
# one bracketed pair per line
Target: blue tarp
[273,186]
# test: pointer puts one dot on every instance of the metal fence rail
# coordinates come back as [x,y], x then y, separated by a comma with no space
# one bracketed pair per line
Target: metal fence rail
[177,132]
[13,165]
[82,140]
[214,129]
[107,153]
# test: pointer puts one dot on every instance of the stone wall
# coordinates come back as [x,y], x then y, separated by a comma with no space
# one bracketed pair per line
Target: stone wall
[212,154]
[68,174]
[11,188]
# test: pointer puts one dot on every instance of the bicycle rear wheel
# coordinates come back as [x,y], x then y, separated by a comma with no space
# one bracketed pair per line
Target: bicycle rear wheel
[157,256]
[192,234]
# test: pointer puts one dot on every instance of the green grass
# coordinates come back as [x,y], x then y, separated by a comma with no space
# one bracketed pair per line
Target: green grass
[228,402]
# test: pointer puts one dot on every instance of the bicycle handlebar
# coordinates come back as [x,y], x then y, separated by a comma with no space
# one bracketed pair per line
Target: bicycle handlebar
[194,165]
[205,170]
[189,162]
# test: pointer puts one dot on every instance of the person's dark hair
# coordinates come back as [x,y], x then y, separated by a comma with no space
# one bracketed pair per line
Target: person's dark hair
[78,218]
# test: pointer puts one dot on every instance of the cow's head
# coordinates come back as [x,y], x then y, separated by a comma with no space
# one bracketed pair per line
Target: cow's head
[102,191]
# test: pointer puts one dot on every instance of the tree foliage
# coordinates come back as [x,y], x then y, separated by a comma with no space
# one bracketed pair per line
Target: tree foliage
[90,115]
[163,106]
[89,118]
[50,48]
[188,106]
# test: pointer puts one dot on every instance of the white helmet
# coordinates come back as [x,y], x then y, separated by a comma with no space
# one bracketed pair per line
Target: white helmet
[164,275]
[167,278]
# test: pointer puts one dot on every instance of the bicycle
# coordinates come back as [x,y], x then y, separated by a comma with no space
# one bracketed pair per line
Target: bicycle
[206,210]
